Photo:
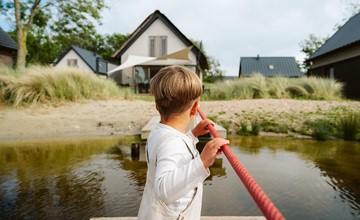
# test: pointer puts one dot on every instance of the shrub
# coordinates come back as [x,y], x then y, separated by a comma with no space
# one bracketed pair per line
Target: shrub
[243,127]
[321,129]
[278,87]
[52,85]
[255,127]
[258,86]
[297,91]
[321,88]
[349,125]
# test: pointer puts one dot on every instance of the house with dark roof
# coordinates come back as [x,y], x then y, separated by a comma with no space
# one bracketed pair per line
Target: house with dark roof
[85,60]
[155,43]
[8,48]
[339,57]
[269,66]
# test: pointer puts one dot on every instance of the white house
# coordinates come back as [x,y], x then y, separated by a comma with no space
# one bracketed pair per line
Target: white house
[154,44]
[84,60]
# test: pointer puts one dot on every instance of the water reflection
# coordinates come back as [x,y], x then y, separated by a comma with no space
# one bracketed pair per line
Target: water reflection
[338,163]
[52,180]
[86,178]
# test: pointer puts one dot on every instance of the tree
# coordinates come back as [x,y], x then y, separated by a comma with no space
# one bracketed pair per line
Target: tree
[63,17]
[110,43]
[214,73]
[309,46]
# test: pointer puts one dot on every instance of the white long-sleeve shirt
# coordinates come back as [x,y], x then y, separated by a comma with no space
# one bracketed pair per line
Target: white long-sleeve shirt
[178,168]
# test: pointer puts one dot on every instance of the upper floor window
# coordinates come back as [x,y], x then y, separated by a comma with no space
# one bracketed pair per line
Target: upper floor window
[157,46]
[72,62]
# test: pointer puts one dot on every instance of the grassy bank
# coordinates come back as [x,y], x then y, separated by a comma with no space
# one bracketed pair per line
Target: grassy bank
[257,86]
[341,122]
[54,85]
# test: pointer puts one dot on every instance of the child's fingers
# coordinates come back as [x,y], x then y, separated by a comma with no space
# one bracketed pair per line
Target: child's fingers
[219,142]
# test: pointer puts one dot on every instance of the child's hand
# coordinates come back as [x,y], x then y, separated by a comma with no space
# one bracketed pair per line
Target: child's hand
[202,127]
[211,150]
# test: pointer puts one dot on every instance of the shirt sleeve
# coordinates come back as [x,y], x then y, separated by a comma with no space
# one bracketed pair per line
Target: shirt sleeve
[192,137]
[176,172]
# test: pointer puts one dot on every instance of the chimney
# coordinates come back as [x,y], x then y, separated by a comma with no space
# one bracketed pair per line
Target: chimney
[258,57]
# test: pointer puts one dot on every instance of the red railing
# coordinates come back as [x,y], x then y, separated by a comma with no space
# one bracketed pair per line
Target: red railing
[262,200]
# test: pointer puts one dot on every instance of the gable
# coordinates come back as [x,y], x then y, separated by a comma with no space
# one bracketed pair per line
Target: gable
[269,66]
[158,28]
[347,35]
[72,55]
[90,59]
[86,59]
[152,25]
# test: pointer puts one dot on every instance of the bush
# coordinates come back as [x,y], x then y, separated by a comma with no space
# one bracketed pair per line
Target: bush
[255,127]
[243,128]
[321,88]
[321,129]
[349,125]
[258,86]
[52,85]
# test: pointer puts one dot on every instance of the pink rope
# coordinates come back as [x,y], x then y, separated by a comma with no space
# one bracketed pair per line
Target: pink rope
[262,200]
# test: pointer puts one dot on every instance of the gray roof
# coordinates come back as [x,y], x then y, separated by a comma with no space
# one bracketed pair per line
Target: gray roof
[269,66]
[89,58]
[6,41]
[348,34]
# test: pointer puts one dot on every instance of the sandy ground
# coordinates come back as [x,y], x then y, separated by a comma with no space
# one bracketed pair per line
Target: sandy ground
[124,117]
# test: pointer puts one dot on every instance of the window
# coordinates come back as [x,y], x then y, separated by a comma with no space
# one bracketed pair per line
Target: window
[157,46]
[72,62]
[331,73]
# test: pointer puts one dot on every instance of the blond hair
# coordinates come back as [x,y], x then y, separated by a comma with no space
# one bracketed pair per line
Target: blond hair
[175,89]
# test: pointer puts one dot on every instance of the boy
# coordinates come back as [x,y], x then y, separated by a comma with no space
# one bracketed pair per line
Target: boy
[176,171]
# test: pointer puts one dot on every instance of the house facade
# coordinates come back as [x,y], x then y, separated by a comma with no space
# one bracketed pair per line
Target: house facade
[339,58]
[269,66]
[85,60]
[8,48]
[154,44]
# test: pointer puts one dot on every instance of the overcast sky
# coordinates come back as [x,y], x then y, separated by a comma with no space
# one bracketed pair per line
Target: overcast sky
[230,29]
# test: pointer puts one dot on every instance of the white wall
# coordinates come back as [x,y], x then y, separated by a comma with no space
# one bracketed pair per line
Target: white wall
[141,47]
[72,55]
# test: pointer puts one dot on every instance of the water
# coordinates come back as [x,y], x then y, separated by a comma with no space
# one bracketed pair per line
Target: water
[81,179]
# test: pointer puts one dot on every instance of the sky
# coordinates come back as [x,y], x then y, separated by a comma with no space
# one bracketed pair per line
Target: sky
[230,29]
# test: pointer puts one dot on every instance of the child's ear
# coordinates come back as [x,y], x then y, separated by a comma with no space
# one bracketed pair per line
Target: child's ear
[194,108]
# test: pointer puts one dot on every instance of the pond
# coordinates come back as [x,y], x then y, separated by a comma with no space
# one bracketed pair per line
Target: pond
[81,179]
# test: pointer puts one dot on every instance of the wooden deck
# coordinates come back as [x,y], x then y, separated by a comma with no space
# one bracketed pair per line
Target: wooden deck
[146,129]
[202,218]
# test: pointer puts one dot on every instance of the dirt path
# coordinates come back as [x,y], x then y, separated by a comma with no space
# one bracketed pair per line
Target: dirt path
[127,117]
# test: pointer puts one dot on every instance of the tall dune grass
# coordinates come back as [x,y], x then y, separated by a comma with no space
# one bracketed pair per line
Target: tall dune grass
[53,85]
[258,86]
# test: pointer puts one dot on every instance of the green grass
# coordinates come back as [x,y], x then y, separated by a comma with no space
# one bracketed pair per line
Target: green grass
[348,126]
[321,129]
[322,124]
[257,86]
[53,85]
